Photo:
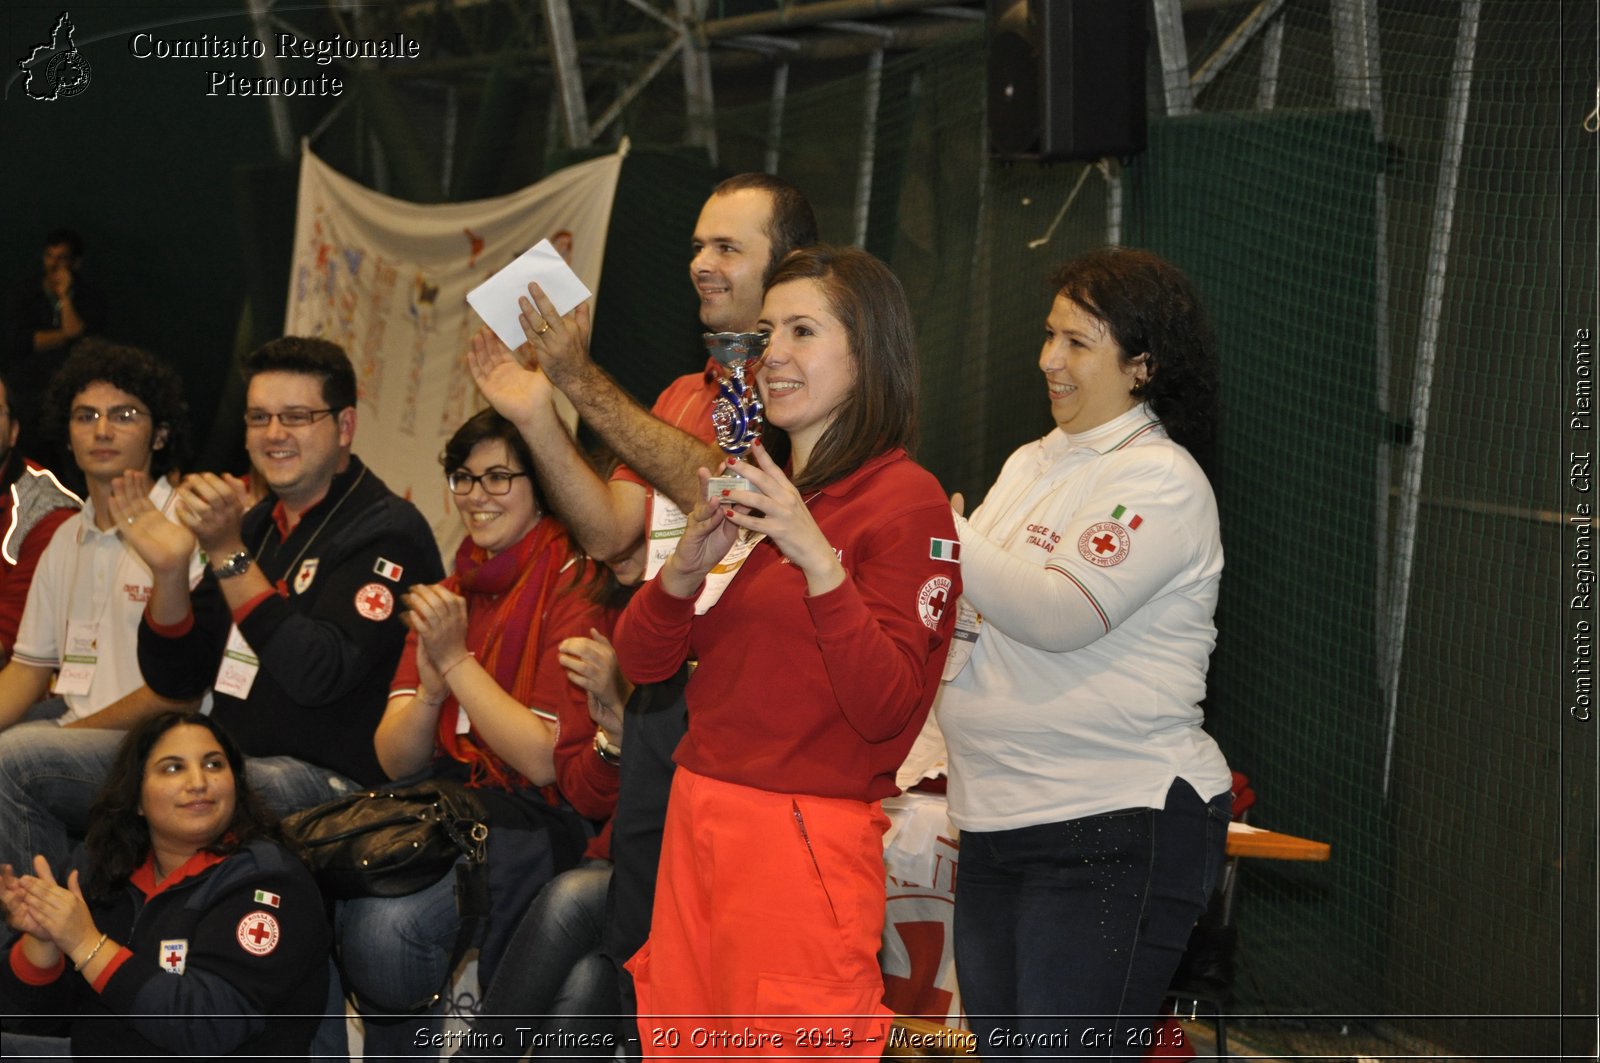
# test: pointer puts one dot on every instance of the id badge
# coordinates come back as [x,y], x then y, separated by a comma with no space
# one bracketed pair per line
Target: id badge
[237,673]
[964,639]
[722,574]
[667,523]
[78,662]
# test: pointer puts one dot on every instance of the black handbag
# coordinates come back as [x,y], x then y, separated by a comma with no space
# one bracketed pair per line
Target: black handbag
[390,842]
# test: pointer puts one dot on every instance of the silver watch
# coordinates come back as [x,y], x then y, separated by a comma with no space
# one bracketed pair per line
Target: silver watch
[234,566]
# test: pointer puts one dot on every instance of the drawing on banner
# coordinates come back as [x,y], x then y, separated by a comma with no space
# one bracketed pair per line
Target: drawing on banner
[387,281]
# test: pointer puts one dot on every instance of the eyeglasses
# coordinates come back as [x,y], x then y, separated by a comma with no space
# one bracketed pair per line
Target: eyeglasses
[121,416]
[495,481]
[294,418]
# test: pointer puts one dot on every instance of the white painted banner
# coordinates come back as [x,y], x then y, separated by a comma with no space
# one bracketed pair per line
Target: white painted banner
[387,280]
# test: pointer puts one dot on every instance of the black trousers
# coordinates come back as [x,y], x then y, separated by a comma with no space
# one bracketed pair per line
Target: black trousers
[656,720]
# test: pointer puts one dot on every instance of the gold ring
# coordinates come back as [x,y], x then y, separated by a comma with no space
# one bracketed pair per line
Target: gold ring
[542,331]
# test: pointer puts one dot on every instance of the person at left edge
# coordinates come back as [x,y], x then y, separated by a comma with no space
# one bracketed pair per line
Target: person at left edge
[33,504]
[190,930]
[124,412]
[301,591]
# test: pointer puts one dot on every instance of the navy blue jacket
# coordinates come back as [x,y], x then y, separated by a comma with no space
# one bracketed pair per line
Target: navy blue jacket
[208,964]
[328,642]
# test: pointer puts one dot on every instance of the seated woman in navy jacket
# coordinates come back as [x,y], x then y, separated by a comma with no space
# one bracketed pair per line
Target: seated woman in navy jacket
[189,929]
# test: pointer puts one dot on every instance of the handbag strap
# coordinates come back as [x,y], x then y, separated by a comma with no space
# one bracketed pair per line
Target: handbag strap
[472,908]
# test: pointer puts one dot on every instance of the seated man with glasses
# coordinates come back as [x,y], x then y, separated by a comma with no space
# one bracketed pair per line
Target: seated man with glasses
[296,623]
[124,413]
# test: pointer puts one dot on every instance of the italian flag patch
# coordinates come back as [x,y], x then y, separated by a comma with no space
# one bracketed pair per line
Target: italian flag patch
[388,569]
[1133,522]
[270,899]
[944,549]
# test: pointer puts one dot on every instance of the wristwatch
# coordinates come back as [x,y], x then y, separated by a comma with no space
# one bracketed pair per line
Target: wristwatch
[608,750]
[234,566]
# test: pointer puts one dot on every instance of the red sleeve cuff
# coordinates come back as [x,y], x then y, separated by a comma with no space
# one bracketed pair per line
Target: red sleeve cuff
[839,609]
[170,631]
[28,974]
[122,957]
[249,607]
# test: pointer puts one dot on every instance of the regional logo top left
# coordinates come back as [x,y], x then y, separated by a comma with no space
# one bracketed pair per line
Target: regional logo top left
[55,70]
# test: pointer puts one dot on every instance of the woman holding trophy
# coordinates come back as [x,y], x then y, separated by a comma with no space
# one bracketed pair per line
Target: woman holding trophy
[770,900]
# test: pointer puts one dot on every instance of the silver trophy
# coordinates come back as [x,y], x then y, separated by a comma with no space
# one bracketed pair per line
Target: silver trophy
[736,415]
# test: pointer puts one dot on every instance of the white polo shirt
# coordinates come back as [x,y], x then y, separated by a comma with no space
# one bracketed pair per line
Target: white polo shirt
[1094,561]
[87,577]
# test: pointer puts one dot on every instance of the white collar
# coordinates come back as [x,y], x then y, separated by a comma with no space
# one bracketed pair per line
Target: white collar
[1113,435]
[161,494]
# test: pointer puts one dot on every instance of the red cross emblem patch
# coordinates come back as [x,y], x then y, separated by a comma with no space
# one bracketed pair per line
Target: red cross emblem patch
[174,955]
[1104,544]
[258,933]
[932,601]
[375,601]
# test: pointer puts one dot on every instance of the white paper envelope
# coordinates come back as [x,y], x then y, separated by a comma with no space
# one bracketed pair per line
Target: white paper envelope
[495,299]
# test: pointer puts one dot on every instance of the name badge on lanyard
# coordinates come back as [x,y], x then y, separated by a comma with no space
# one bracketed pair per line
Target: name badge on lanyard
[964,639]
[78,662]
[722,574]
[237,672]
[667,523]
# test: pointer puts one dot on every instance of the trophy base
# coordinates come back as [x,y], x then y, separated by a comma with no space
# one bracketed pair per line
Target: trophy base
[726,482]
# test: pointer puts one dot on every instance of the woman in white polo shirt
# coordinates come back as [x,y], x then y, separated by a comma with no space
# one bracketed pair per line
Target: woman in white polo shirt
[1092,806]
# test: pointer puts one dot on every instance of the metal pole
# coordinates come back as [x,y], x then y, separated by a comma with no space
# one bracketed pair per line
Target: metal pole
[697,95]
[569,77]
[1359,85]
[1444,206]
[777,50]
[277,106]
[869,118]
[1113,201]
[1174,56]
[1262,15]
[869,144]
[636,86]
[1271,60]
[780,96]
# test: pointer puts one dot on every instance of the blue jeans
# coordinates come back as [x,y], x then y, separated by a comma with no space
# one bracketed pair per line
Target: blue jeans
[49,777]
[554,982]
[396,951]
[1067,934]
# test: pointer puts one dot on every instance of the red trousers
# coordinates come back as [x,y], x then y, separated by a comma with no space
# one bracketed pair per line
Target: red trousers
[767,923]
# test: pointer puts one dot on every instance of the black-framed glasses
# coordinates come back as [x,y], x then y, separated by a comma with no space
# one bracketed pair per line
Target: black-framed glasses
[495,481]
[121,416]
[293,418]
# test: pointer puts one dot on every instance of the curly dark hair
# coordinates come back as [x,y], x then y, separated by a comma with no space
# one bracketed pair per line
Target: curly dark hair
[118,838]
[791,225]
[1151,308]
[880,412]
[138,372]
[322,359]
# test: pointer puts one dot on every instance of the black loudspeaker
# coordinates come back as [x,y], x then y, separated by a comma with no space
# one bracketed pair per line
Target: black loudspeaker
[1066,78]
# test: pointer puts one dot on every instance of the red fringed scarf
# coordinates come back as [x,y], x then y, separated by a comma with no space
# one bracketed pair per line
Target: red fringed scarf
[507,598]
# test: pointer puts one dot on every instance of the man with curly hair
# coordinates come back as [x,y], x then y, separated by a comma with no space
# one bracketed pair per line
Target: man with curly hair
[291,622]
[123,410]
